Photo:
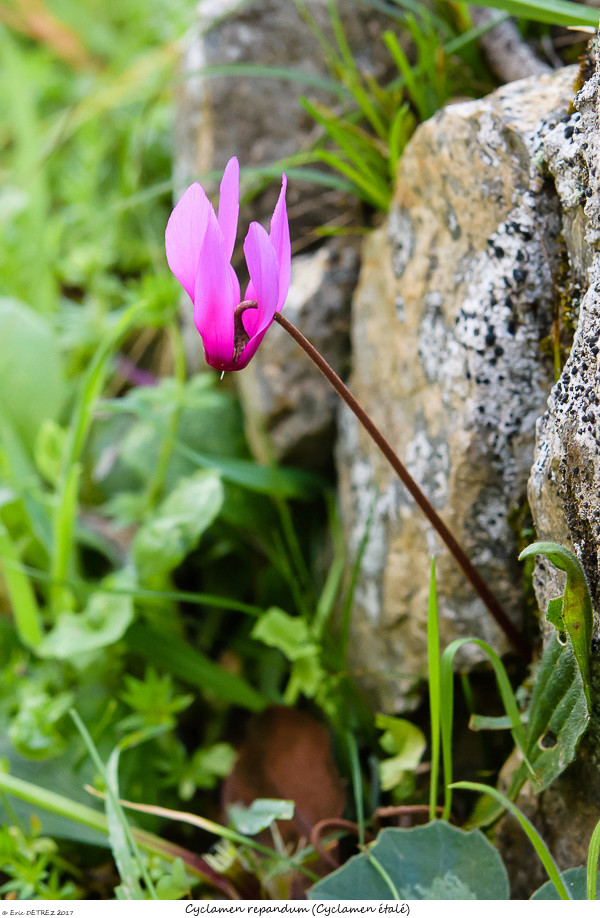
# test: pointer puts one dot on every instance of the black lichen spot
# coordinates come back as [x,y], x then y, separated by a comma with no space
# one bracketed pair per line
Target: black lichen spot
[520,275]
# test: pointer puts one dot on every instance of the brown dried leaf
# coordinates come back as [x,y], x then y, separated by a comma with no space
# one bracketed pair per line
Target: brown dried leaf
[287,755]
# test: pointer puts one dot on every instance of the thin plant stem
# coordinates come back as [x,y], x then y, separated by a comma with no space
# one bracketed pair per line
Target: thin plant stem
[492,604]
[383,874]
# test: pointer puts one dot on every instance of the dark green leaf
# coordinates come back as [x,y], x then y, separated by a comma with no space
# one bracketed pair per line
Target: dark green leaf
[436,861]
[575,881]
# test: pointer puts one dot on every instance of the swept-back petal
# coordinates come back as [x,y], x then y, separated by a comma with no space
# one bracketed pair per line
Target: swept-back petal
[184,235]
[280,239]
[215,297]
[229,204]
[264,278]
[250,349]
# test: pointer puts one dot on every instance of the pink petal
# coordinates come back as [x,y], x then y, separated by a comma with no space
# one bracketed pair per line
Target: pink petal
[264,279]
[280,239]
[184,235]
[229,204]
[250,349]
[215,296]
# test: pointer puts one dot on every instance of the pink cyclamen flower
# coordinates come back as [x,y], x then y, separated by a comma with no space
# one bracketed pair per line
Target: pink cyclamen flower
[199,248]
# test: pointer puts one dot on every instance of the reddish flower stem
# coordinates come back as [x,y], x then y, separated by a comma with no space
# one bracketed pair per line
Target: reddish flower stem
[494,607]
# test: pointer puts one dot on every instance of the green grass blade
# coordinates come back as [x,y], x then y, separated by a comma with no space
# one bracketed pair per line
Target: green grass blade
[401,130]
[414,87]
[359,147]
[592,863]
[553,12]
[81,586]
[51,802]
[365,189]
[531,832]
[333,583]
[447,708]
[25,609]
[127,857]
[356,785]
[433,660]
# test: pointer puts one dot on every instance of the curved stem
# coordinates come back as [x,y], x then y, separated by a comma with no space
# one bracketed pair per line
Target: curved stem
[492,604]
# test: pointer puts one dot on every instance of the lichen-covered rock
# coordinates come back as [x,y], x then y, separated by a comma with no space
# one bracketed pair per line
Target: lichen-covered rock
[455,302]
[564,488]
[289,407]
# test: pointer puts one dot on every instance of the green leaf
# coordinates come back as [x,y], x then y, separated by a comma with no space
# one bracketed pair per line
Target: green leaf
[557,718]
[162,543]
[175,884]
[427,862]
[577,617]
[558,714]
[574,880]
[405,743]
[287,633]
[32,386]
[306,676]
[103,622]
[33,728]
[554,613]
[49,448]
[262,813]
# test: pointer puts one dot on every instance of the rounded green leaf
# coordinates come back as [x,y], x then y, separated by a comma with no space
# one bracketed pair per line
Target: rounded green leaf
[574,879]
[436,861]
